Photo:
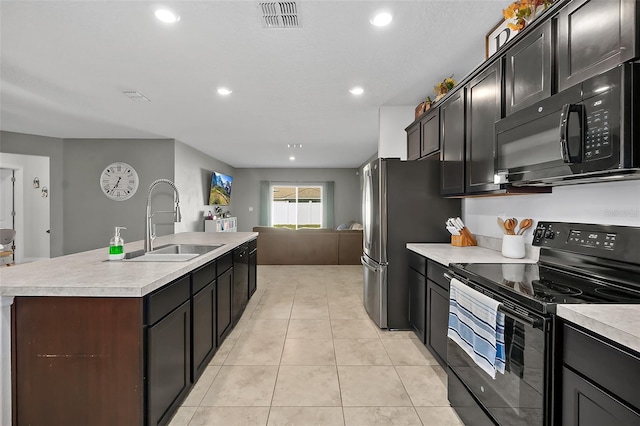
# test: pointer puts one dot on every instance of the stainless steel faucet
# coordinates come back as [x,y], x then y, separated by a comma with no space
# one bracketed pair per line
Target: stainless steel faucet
[150,235]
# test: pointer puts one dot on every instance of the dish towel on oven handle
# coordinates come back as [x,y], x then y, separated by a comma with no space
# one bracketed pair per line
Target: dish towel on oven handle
[477,326]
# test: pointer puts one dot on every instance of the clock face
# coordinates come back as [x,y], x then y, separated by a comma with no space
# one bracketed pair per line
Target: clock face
[119,181]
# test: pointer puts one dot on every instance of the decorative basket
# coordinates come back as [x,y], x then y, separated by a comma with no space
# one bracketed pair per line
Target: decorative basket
[422,107]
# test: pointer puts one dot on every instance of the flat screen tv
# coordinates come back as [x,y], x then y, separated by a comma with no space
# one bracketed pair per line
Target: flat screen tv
[220,193]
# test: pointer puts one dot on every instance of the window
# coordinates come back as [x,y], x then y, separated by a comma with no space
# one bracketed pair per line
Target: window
[296,207]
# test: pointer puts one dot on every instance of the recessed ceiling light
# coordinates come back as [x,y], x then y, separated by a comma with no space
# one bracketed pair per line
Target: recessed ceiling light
[381,19]
[292,158]
[294,145]
[224,91]
[356,91]
[167,16]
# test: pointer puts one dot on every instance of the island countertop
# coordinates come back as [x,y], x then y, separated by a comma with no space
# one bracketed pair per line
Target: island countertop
[90,274]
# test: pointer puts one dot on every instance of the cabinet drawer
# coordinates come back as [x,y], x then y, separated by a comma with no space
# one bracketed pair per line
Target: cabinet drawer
[435,272]
[203,276]
[225,262]
[610,367]
[165,300]
[253,244]
[417,262]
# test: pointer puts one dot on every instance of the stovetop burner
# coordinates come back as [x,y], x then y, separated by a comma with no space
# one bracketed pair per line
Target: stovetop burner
[548,289]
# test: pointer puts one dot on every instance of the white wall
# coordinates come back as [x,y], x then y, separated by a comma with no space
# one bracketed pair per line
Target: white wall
[392,139]
[615,203]
[32,210]
[193,171]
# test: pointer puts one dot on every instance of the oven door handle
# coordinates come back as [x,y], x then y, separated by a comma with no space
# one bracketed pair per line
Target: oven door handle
[508,312]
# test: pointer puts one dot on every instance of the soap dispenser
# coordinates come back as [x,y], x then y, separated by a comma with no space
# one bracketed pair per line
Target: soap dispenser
[116,245]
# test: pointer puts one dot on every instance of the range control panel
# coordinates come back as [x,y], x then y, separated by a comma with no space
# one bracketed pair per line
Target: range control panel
[620,243]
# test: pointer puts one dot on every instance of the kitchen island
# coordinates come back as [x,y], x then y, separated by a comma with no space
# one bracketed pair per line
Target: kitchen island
[98,342]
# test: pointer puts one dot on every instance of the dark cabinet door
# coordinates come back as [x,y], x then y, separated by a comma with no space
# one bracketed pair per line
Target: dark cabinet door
[203,328]
[593,37]
[452,122]
[437,320]
[417,302]
[224,288]
[168,364]
[484,108]
[430,140]
[528,69]
[413,142]
[240,280]
[585,404]
[253,272]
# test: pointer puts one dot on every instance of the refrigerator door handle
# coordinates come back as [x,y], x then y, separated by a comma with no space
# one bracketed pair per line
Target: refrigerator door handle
[367,265]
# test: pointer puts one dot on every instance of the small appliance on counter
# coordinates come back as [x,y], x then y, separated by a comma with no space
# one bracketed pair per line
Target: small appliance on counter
[579,263]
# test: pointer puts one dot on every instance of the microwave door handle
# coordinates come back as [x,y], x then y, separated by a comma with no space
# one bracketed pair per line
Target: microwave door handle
[565,151]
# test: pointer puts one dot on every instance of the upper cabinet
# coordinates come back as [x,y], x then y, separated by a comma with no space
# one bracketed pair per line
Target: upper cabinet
[484,108]
[452,134]
[593,37]
[423,136]
[528,69]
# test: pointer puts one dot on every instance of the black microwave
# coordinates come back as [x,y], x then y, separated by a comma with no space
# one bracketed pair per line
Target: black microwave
[582,134]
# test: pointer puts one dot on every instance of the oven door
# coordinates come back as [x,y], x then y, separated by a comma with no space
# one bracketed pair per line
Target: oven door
[516,397]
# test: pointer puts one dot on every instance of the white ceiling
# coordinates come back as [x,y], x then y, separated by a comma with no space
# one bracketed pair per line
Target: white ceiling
[65,64]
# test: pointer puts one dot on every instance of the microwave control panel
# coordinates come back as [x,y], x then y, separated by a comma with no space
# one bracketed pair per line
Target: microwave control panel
[597,142]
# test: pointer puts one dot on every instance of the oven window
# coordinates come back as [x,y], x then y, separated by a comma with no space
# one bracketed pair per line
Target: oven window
[515,397]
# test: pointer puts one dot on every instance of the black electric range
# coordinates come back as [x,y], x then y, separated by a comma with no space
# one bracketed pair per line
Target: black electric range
[578,263]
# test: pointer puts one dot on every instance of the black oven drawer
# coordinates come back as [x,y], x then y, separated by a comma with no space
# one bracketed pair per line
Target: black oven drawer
[608,366]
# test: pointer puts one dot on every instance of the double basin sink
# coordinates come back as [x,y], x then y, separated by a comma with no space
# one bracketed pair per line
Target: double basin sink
[171,253]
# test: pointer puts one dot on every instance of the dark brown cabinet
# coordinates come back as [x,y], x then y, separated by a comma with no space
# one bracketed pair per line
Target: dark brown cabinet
[168,364]
[598,389]
[417,294]
[224,290]
[528,69]
[437,311]
[423,136]
[593,37]
[484,108]
[452,136]
[413,141]
[240,280]
[430,137]
[204,328]
[253,267]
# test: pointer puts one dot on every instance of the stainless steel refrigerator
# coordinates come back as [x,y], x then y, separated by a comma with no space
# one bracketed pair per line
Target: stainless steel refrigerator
[401,203]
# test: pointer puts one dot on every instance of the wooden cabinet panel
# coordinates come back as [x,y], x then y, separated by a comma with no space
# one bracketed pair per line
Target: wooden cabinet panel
[528,69]
[224,289]
[484,108]
[437,320]
[168,364]
[204,328]
[413,142]
[593,37]
[77,361]
[452,122]
[417,303]
[430,136]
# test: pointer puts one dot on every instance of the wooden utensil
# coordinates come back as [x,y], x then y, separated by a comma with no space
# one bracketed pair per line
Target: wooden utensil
[501,225]
[524,225]
[510,225]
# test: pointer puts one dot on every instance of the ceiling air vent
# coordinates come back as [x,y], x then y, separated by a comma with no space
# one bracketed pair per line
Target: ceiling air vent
[136,96]
[279,14]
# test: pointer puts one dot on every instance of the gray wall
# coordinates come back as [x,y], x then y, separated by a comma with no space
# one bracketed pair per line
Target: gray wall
[246,191]
[18,143]
[193,171]
[89,216]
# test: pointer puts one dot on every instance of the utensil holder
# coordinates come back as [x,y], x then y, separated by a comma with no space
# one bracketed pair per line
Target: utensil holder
[461,241]
[513,246]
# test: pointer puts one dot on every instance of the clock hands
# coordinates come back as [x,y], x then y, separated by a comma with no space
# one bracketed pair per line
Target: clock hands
[116,185]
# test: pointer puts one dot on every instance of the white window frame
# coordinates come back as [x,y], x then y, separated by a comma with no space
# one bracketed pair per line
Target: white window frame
[294,185]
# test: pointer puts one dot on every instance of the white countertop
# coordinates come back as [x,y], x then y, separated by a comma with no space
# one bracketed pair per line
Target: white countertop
[620,323]
[90,274]
[444,254]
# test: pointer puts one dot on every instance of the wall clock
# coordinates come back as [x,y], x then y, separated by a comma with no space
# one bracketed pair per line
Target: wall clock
[119,181]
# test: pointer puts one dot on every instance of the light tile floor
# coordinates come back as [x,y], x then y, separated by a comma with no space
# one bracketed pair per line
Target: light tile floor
[306,353]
